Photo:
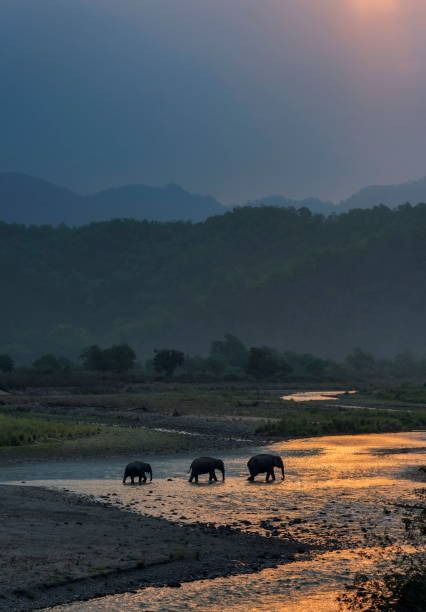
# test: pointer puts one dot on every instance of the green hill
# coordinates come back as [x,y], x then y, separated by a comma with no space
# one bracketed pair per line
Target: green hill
[273,276]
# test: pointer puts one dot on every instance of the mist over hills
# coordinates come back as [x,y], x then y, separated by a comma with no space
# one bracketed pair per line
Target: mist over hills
[413,192]
[390,195]
[33,201]
[269,275]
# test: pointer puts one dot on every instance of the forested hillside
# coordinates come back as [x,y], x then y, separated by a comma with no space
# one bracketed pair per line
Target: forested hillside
[272,276]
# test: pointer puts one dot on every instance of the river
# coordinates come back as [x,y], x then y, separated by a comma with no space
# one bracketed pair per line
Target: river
[341,494]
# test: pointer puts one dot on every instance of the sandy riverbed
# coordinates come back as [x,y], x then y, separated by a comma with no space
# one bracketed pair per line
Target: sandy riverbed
[343,498]
[59,546]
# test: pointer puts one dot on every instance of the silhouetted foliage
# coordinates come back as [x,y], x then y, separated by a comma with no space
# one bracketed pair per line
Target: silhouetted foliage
[167,360]
[117,358]
[92,358]
[231,351]
[361,361]
[295,281]
[49,364]
[264,362]
[6,363]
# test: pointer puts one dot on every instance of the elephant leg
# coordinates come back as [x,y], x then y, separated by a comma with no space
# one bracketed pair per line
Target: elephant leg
[252,476]
[133,479]
[196,478]
[214,476]
[191,477]
[144,478]
[273,474]
[267,476]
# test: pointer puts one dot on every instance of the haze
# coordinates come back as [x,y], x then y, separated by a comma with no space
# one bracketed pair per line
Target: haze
[237,98]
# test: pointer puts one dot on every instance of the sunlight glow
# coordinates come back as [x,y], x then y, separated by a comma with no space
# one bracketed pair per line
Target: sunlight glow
[375,8]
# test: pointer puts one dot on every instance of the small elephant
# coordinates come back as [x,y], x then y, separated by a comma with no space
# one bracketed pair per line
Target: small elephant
[206,465]
[137,469]
[259,464]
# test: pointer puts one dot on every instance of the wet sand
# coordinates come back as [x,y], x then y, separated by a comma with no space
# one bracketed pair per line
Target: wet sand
[57,546]
[343,496]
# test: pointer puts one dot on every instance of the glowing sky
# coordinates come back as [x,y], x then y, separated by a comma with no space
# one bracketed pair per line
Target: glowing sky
[238,98]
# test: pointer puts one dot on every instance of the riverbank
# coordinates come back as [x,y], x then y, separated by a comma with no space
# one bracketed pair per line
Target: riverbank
[59,547]
[178,418]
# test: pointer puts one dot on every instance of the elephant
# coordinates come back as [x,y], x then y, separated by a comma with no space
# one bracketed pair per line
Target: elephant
[260,464]
[206,465]
[137,469]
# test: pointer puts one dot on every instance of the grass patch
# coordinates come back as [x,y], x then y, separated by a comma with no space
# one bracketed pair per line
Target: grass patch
[17,431]
[38,439]
[315,421]
[415,394]
[124,408]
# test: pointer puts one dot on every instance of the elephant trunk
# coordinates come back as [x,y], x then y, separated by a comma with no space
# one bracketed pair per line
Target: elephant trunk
[150,474]
[222,469]
[282,470]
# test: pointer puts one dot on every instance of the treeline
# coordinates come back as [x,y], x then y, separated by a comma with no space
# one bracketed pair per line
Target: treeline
[228,359]
[279,277]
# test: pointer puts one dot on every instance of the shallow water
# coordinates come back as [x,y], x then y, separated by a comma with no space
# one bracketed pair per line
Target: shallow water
[340,493]
[316,396]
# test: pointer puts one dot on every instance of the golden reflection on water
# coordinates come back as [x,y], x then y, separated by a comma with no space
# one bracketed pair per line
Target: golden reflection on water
[316,396]
[340,492]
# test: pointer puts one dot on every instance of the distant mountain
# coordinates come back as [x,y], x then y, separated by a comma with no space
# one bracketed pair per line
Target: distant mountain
[389,195]
[413,192]
[33,201]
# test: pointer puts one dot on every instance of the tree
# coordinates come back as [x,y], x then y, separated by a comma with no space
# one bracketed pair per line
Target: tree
[230,350]
[49,364]
[313,366]
[264,362]
[117,358]
[361,361]
[92,358]
[167,360]
[6,363]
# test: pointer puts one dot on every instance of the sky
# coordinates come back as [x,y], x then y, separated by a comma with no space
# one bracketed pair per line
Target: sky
[235,98]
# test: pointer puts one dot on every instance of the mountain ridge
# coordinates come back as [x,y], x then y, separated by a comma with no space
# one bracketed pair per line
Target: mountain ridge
[31,200]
